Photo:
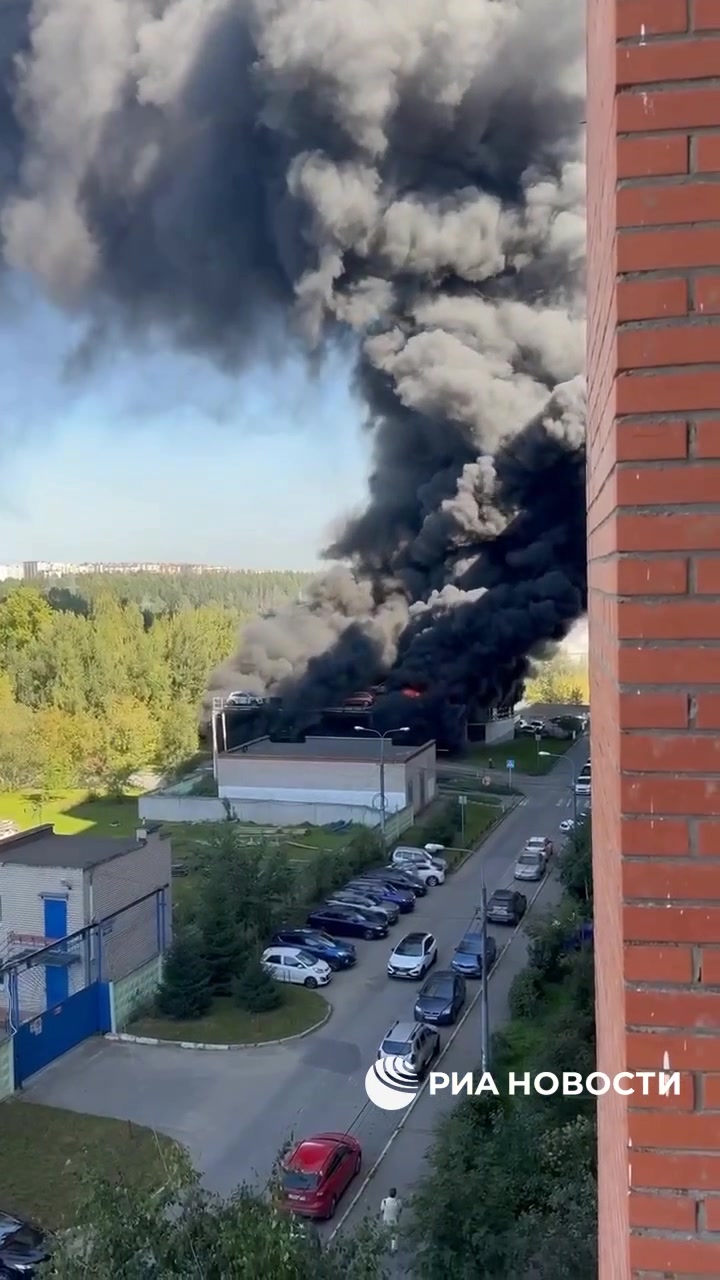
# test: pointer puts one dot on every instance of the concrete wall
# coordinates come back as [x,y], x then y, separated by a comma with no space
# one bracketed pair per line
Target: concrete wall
[133,993]
[319,781]
[653,439]
[420,779]
[7,1069]
[130,939]
[161,806]
[500,730]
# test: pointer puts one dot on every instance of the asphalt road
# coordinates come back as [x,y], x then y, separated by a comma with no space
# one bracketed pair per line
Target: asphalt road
[235,1110]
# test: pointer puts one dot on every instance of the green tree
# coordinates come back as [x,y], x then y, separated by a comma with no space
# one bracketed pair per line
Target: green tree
[256,990]
[178,738]
[22,756]
[185,989]
[23,614]
[182,1231]
[226,944]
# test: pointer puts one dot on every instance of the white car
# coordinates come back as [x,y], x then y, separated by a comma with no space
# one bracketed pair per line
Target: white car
[567,824]
[241,699]
[412,957]
[419,860]
[583,787]
[292,964]
[539,844]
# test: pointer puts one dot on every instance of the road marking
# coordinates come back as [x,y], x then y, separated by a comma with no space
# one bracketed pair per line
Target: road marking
[456,1030]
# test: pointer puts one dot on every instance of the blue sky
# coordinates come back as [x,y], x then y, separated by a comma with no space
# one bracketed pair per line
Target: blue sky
[159,457]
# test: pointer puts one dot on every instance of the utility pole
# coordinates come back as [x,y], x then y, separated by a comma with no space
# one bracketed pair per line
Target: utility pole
[382,789]
[485,1052]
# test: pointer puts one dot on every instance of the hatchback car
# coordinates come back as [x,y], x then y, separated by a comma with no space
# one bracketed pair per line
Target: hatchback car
[441,999]
[416,1043]
[530,865]
[366,902]
[317,1172]
[339,955]
[540,844]
[430,872]
[403,899]
[23,1248]
[506,906]
[292,964]
[413,956]
[347,922]
[399,879]
[472,953]
[412,856]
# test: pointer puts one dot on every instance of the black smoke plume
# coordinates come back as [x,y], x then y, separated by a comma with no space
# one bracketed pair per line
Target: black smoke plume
[247,177]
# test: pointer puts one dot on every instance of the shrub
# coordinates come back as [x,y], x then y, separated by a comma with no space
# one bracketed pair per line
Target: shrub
[256,990]
[185,988]
[443,826]
[526,993]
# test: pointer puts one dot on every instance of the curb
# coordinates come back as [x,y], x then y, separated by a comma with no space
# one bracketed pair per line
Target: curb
[121,1037]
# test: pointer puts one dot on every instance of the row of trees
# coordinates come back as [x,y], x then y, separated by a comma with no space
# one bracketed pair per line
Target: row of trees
[243,894]
[91,694]
[512,1189]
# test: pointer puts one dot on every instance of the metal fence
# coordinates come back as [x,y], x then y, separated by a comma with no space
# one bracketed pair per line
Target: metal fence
[39,974]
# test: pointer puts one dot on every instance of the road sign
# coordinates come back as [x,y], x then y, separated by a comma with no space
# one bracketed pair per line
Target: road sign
[509,764]
[462,800]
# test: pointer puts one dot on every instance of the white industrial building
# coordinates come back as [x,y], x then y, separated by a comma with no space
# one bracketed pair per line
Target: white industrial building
[53,886]
[324,780]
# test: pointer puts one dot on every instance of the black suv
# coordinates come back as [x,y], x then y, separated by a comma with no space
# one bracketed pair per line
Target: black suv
[506,906]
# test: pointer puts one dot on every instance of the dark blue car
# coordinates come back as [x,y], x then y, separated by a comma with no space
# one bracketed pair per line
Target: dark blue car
[468,958]
[403,899]
[339,955]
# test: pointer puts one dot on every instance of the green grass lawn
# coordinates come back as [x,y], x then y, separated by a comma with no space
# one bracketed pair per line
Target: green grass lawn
[226,1024]
[300,843]
[43,1149]
[71,812]
[478,817]
[524,751]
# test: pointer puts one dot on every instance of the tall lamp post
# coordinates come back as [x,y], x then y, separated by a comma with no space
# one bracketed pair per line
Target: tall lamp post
[571,766]
[361,728]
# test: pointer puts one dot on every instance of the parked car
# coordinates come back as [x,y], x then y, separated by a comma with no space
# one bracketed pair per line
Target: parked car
[567,825]
[413,956]
[23,1247]
[346,922]
[430,872]
[470,954]
[317,1172]
[530,865]
[506,906]
[292,964]
[441,998]
[417,1043]
[540,844]
[403,899]
[242,699]
[339,955]
[399,879]
[409,856]
[366,902]
[583,787]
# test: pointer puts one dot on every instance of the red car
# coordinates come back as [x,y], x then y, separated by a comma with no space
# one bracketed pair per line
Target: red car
[318,1171]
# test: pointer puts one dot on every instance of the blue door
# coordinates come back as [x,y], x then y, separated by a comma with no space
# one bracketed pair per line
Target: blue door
[56,976]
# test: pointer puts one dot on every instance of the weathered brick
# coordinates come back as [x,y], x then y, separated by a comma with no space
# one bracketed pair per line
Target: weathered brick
[663,348]
[651,299]
[658,837]
[651,1050]
[710,967]
[707,577]
[657,793]
[689,1257]
[655,206]
[668,109]
[667,881]
[668,532]
[707,714]
[673,1129]
[666,486]
[709,839]
[668,61]
[668,1213]
[670,753]
[653,711]
[705,16]
[652,157]
[647,1008]
[707,438]
[706,153]
[649,18]
[657,577]
[652,441]
[672,924]
[658,964]
[668,393]
[668,250]
[644,664]
[674,620]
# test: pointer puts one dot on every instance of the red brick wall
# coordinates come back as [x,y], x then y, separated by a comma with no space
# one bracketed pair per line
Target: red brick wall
[654,571]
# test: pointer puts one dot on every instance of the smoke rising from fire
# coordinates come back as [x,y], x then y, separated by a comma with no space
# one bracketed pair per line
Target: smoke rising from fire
[240,176]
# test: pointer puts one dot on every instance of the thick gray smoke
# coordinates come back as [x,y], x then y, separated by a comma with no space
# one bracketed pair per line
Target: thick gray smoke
[240,175]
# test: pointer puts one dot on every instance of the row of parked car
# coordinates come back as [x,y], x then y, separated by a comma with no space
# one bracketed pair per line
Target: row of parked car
[366,907]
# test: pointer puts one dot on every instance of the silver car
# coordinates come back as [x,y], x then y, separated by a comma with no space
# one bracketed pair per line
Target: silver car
[418,1044]
[530,865]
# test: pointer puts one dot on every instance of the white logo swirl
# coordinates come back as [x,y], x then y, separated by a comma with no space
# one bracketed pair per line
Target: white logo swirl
[391,1084]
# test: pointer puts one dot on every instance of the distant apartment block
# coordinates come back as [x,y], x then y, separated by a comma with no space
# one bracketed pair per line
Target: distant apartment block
[31,570]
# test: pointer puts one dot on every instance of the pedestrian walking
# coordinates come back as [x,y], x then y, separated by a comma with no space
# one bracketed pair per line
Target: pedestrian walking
[390,1210]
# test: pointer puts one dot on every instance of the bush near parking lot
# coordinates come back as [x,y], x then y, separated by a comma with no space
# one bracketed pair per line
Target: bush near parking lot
[484,1209]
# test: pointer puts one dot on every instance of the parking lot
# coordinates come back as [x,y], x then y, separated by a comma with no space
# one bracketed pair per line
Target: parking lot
[235,1109]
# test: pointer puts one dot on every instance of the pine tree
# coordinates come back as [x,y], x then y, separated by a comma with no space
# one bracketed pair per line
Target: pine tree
[224,946]
[185,989]
[256,990]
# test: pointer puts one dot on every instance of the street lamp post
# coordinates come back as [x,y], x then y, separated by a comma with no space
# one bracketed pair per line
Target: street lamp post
[361,728]
[485,1030]
[564,760]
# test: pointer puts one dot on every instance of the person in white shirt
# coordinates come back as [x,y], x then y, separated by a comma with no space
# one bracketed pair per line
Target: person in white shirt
[390,1211]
